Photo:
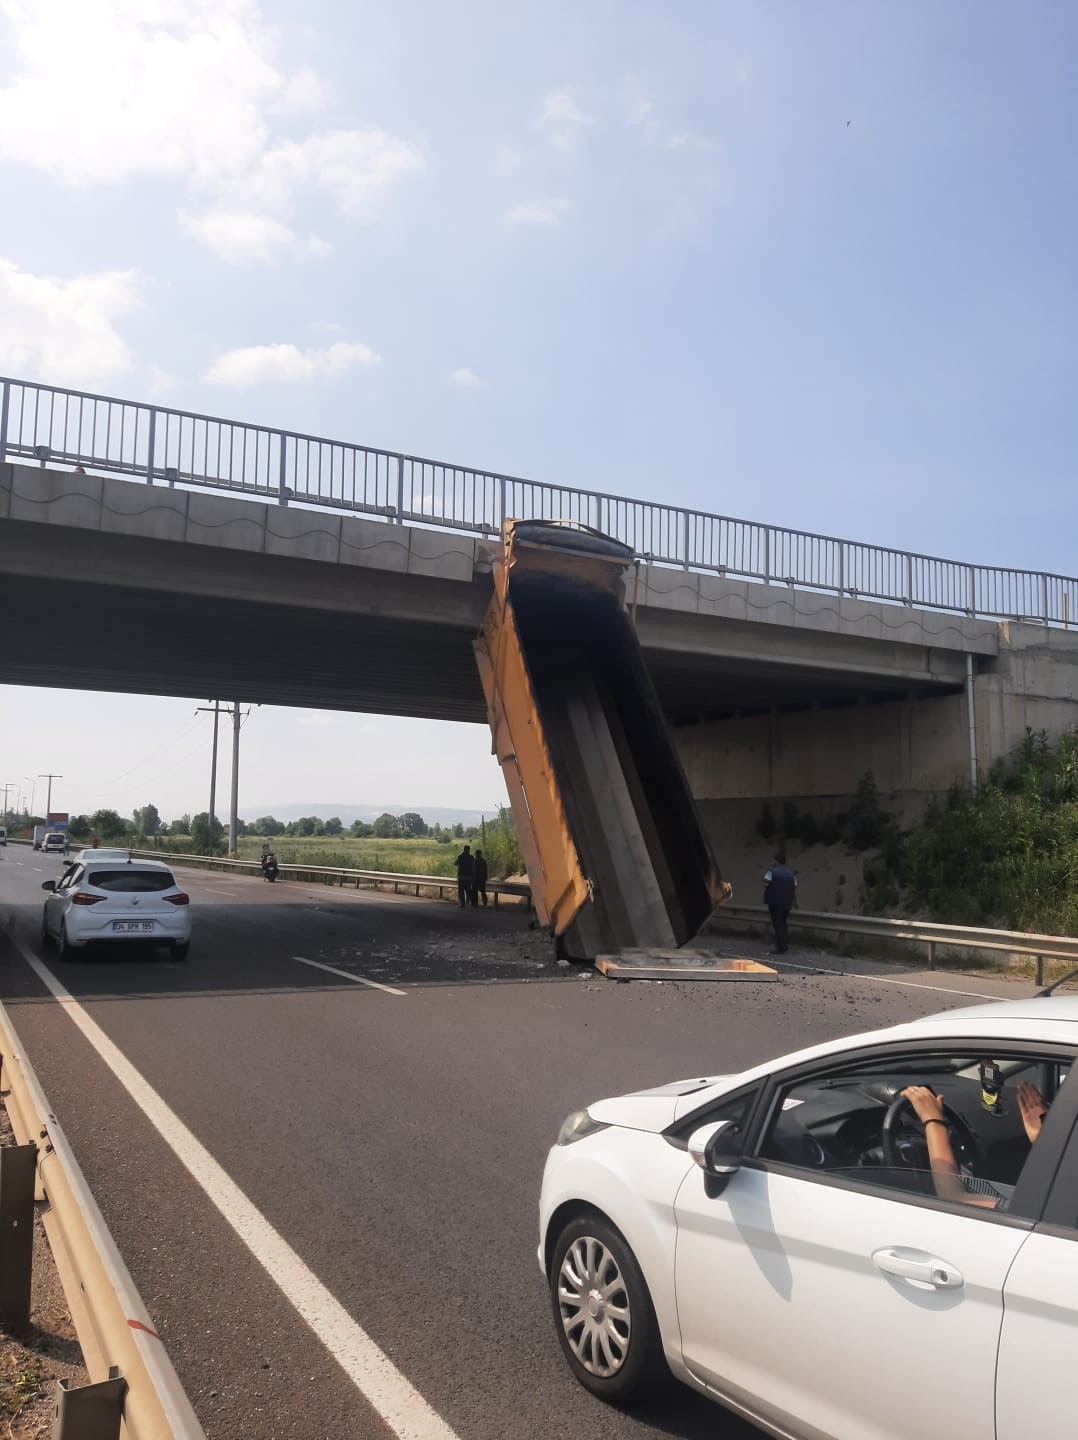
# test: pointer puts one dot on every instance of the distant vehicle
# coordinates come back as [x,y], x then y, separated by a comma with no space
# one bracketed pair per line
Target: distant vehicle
[3,834]
[39,835]
[54,841]
[105,901]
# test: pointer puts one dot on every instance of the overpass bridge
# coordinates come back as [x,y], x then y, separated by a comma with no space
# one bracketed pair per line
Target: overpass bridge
[288,569]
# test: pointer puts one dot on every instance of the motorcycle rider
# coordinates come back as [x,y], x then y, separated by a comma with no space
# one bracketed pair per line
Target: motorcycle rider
[270,868]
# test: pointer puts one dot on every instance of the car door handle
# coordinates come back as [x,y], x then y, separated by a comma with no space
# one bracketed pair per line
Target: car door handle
[918,1267]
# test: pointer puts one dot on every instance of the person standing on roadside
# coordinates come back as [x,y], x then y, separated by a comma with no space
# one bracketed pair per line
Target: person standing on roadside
[780,897]
[480,886]
[465,863]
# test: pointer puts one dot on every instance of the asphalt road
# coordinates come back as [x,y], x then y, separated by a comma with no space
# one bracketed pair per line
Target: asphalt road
[395,1141]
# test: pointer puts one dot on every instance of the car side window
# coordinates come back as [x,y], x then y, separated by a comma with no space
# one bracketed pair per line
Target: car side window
[70,878]
[953,1126]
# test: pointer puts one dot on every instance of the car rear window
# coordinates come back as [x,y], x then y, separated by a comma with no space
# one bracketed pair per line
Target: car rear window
[130,879]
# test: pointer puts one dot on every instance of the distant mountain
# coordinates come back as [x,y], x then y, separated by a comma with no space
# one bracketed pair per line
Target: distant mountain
[432,814]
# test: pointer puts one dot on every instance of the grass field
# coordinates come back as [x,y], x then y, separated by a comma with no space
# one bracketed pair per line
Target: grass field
[405,857]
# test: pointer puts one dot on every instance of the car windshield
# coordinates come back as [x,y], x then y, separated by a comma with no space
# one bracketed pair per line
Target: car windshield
[130,879]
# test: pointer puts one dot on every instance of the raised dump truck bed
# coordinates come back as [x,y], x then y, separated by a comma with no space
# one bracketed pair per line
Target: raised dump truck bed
[615,851]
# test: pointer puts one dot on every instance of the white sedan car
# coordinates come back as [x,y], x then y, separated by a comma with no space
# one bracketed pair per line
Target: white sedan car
[826,1255]
[103,900]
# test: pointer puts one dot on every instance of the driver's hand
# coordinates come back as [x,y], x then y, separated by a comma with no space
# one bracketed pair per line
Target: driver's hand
[926,1105]
[1031,1104]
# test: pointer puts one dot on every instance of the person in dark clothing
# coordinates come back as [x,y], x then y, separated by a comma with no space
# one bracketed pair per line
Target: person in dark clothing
[480,886]
[780,897]
[465,863]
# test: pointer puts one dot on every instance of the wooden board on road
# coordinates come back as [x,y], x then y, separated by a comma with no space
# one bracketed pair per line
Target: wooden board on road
[681,965]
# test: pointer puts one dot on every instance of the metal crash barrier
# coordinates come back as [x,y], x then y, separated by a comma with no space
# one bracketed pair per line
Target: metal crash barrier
[341,875]
[917,932]
[132,1382]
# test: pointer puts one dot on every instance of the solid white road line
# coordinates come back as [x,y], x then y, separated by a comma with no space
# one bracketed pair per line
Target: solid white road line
[883,980]
[217,891]
[372,1372]
[347,975]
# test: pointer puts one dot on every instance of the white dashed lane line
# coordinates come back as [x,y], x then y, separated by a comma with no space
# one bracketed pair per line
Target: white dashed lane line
[347,975]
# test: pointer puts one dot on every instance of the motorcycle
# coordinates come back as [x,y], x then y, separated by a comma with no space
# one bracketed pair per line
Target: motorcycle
[270,868]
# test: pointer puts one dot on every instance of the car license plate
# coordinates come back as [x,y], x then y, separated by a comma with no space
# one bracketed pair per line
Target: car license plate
[132,927]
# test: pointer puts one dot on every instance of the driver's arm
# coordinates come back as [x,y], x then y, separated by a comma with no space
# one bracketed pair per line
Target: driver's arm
[946,1175]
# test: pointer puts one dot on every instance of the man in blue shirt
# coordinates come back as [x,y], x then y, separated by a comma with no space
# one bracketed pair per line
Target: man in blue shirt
[780,897]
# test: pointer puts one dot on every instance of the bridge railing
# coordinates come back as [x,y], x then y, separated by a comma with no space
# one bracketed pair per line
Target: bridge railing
[160,445]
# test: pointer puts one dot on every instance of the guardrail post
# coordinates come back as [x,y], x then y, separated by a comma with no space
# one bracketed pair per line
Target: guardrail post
[18,1168]
[282,471]
[931,954]
[1038,978]
[90,1412]
[150,447]
[5,406]
[501,502]
[399,517]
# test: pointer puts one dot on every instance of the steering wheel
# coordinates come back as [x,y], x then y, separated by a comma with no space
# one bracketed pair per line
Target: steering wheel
[963,1140]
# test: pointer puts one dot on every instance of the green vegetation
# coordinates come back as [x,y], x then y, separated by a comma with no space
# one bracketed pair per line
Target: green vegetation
[1006,857]
[407,845]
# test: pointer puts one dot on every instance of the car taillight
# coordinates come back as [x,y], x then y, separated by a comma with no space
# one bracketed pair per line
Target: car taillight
[180,898]
[80,897]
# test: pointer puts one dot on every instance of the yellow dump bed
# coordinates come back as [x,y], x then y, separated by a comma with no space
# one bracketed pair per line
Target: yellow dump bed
[615,851]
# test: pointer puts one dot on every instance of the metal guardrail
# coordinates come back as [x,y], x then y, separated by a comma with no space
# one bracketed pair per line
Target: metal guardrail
[325,874]
[131,1376]
[177,447]
[921,932]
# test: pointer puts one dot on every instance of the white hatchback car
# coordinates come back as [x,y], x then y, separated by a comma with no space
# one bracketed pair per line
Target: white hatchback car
[827,1256]
[103,900]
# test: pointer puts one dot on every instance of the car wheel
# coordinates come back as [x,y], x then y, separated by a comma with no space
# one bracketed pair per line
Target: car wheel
[603,1312]
[179,952]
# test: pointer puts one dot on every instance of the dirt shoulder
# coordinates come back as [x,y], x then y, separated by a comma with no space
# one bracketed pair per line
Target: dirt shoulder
[34,1358]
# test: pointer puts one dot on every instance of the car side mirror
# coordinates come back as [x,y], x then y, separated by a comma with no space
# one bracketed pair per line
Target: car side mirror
[716,1148]
[48,884]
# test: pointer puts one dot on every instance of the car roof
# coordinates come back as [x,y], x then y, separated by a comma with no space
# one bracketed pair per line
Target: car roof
[111,863]
[1033,1008]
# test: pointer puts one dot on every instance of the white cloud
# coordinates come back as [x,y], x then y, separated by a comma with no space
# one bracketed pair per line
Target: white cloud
[108,91]
[266,364]
[238,236]
[465,377]
[159,382]
[65,329]
[563,120]
[542,212]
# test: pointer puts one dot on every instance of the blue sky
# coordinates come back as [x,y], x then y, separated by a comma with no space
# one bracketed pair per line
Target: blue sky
[625,246]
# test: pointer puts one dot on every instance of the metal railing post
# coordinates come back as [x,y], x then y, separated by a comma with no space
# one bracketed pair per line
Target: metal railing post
[767,557]
[151,446]
[18,1168]
[5,406]
[400,490]
[501,502]
[907,599]
[971,590]
[282,470]
[1044,598]
[842,567]
[685,539]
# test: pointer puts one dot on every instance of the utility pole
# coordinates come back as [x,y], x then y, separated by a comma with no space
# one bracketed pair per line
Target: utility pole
[33,793]
[232,837]
[13,785]
[48,802]
[216,713]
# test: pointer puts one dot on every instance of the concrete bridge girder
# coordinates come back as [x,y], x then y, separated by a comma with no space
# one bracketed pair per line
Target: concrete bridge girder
[203,593]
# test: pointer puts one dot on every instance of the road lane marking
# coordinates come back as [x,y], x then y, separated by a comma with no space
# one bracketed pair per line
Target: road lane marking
[218,891]
[395,1399]
[347,975]
[883,980]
